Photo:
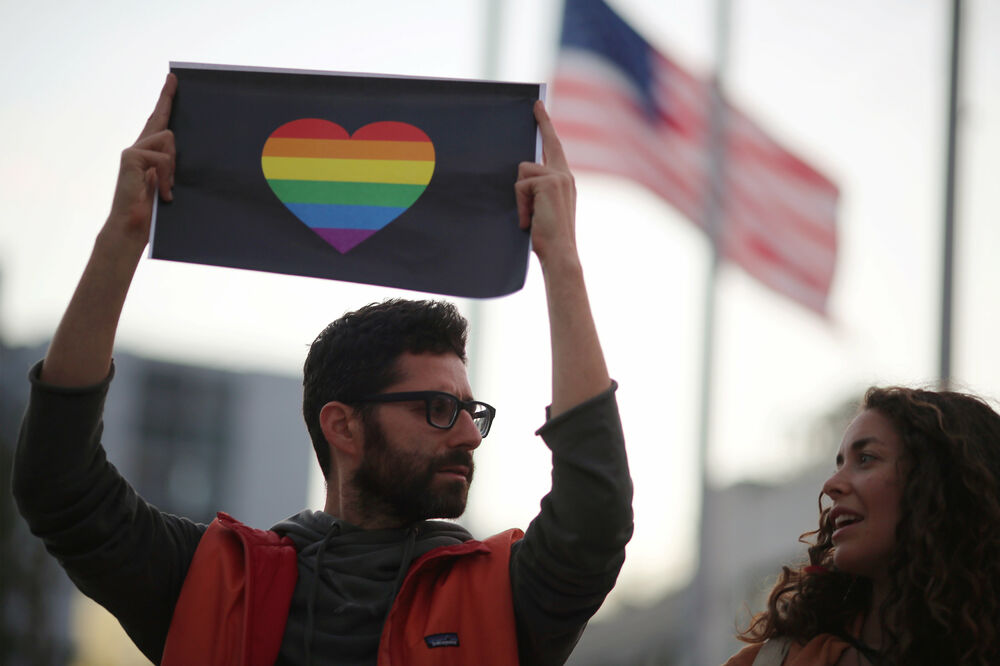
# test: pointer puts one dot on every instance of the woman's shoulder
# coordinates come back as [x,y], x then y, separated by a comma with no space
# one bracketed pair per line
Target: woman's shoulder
[745,656]
[822,650]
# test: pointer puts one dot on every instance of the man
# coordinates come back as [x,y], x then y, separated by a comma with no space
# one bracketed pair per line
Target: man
[370,579]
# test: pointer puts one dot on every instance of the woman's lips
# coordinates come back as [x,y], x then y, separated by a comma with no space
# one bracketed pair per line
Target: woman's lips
[843,520]
[840,532]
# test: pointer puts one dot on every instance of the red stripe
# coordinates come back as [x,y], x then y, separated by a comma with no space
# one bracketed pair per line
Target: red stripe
[746,136]
[815,267]
[818,272]
[311,128]
[318,128]
[391,130]
[775,273]
[657,185]
[665,177]
[762,202]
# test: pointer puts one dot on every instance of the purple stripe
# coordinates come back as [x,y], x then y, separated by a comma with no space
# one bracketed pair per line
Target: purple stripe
[344,239]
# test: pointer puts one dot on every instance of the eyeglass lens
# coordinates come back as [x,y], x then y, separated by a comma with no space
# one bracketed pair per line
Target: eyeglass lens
[443,412]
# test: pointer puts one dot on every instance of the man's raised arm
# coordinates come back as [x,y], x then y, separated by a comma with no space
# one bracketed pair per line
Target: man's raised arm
[80,352]
[118,549]
[546,201]
[572,551]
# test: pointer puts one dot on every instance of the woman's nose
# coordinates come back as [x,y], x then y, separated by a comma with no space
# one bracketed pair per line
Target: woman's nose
[836,485]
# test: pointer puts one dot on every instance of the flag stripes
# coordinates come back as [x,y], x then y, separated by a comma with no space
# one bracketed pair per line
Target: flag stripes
[777,214]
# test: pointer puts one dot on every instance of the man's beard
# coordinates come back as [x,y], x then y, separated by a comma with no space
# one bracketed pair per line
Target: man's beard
[399,484]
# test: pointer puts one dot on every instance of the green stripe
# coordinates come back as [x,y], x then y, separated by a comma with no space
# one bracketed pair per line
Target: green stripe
[351,194]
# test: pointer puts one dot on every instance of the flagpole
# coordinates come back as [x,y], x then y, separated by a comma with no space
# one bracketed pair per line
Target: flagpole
[948,267]
[715,195]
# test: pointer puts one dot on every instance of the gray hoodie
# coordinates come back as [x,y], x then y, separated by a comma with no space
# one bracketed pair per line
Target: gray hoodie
[342,611]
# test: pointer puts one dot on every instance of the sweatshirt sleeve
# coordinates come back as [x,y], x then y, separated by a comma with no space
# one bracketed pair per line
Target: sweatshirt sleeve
[572,551]
[119,550]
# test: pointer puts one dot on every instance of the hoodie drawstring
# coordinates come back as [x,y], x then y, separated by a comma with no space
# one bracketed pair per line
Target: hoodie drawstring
[311,603]
[409,546]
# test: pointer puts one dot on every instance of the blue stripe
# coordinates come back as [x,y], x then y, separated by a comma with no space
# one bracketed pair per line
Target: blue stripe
[593,26]
[335,216]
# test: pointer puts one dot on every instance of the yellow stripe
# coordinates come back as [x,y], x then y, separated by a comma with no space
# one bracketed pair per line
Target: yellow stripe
[354,171]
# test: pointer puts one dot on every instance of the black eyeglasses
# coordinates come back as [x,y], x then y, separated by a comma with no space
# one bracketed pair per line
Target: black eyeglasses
[442,408]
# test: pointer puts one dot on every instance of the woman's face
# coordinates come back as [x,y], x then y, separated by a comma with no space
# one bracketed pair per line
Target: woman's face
[866,491]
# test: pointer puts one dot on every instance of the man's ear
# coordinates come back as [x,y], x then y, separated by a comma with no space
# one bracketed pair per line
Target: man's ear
[342,427]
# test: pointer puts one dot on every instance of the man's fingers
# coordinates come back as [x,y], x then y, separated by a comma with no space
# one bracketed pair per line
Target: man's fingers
[525,200]
[161,163]
[530,170]
[161,113]
[161,143]
[528,176]
[552,151]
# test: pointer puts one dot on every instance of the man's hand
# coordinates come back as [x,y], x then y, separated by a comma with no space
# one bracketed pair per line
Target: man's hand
[80,352]
[546,204]
[546,196]
[146,166]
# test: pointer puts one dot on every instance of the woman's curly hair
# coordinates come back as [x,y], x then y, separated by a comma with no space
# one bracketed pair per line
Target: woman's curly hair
[943,605]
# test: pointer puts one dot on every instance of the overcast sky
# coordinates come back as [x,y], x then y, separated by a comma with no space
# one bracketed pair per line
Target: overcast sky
[856,88]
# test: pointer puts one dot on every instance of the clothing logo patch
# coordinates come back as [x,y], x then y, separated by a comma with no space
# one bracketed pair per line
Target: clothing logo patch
[441,640]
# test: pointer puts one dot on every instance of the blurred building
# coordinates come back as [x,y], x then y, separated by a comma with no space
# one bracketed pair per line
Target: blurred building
[752,530]
[193,441]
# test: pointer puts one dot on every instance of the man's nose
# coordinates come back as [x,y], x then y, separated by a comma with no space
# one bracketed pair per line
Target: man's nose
[465,433]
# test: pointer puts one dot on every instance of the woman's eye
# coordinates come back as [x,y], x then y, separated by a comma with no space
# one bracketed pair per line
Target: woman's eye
[865,458]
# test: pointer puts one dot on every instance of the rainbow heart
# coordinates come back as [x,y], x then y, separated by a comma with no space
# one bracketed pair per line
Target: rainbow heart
[343,187]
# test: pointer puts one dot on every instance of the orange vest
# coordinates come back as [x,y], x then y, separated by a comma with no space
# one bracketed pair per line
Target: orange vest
[454,607]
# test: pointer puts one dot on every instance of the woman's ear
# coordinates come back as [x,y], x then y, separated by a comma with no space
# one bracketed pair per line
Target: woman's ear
[342,427]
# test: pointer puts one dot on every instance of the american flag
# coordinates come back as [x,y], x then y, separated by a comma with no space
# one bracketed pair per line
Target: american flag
[620,107]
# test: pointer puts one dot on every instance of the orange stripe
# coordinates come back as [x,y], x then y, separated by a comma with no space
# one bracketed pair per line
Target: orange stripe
[359,150]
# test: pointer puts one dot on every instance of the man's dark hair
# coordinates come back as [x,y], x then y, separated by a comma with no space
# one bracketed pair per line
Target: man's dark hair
[357,355]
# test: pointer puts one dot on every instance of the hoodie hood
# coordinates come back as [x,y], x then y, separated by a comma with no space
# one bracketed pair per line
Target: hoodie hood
[348,579]
[309,527]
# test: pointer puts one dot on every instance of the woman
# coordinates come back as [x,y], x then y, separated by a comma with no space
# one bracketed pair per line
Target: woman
[905,568]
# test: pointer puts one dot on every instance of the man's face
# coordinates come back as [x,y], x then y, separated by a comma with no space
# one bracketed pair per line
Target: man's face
[410,470]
